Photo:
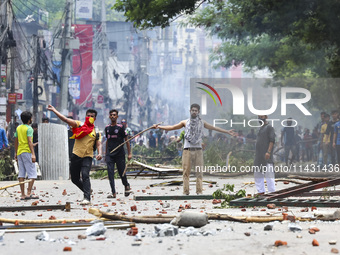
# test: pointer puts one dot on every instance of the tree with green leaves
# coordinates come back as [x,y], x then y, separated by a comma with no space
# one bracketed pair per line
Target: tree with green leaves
[293,38]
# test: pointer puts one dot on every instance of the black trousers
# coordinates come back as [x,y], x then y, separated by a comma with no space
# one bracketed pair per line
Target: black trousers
[120,162]
[81,166]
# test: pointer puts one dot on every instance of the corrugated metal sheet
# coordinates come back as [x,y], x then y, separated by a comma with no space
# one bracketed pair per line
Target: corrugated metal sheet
[53,151]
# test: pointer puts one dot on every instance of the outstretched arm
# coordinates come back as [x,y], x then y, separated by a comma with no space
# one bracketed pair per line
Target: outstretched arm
[230,132]
[174,127]
[70,122]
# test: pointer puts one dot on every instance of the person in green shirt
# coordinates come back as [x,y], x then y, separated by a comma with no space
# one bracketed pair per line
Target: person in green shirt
[24,154]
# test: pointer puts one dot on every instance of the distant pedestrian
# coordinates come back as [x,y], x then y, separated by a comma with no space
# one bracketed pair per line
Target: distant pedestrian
[24,154]
[45,120]
[86,139]
[325,143]
[3,139]
[336,141]
[264,164]
[330,133]
[288,141]
[35,141]
[152,140]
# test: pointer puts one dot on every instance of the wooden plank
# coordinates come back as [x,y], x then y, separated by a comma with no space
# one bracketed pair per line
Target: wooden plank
[66,207]
[286,202]
[118,226]
[174,197]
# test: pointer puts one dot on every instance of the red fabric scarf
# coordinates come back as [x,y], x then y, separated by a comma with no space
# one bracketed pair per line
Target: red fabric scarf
[84,130]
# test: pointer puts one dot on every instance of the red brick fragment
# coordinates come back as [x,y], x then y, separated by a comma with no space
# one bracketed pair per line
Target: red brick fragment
[280,243]
[315,242]
[334,250]
[67,248]
[133,231]
[271,206]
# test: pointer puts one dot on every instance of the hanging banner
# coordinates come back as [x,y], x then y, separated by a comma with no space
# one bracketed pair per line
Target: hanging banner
[74,86]
[84,9]
[12,98]
[82,63]
[3,75]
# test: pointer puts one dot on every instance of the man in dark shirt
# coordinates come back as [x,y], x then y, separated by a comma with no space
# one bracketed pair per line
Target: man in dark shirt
[152,140]
[263,163]
[115,135]
[35,141]
[330,133]
[288,140]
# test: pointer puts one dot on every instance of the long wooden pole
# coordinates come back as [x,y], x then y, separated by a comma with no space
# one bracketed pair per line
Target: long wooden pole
[128,140]
[167,218]
[19,221]
[15,184]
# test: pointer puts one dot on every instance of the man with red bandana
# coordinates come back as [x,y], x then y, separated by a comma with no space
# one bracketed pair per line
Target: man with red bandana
[82,154]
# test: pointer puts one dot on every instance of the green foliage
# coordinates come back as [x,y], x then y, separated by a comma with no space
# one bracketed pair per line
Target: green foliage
[227,193]
[217,151]
[6,163]
[103,173]
[152,13]
[54,8]
[153,155]
[288,38]
[99,174]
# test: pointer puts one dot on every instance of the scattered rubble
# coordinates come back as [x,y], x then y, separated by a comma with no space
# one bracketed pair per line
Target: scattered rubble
[96,229]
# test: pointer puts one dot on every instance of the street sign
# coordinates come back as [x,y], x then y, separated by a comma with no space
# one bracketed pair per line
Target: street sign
[19,96]
[100,99]
[12,98]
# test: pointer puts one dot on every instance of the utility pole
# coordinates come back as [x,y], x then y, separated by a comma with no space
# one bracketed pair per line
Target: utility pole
[104,50]
[66,59]
[11,59]
[3,91]
[36,77]
[144,78]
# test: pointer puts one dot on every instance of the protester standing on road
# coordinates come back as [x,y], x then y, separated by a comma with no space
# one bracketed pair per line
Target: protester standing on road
[116,135]
[192,152]
[336,141]
[85,140]
[288,141]
[24,154]
[263,163]
[3,139]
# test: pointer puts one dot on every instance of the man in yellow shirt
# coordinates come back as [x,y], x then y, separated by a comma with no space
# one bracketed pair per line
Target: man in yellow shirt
[81,159]
[24,154]
[325,141]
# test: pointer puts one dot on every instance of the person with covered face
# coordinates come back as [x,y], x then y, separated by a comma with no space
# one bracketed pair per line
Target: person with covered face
[263,163]
[192,151]
[81,160]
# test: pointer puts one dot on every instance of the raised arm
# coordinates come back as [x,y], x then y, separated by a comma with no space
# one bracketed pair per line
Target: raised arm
[230,132]
[70,122]
[174,127]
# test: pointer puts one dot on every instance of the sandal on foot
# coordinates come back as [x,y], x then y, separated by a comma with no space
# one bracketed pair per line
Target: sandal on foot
[112,195]
[32,197]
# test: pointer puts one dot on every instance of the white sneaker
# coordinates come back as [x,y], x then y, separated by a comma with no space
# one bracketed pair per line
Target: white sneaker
[85,202]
